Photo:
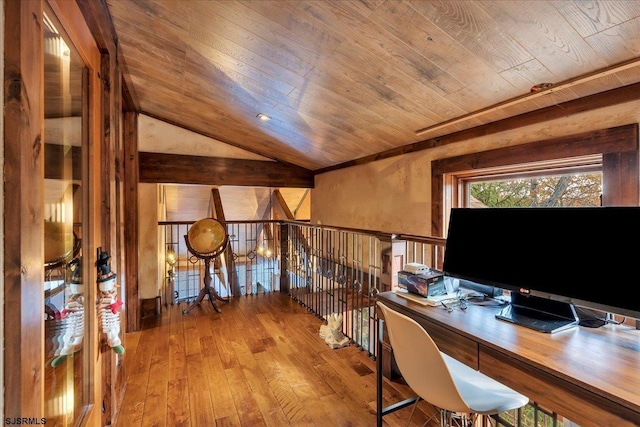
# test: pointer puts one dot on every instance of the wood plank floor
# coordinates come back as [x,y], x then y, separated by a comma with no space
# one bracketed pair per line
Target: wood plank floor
[260,362]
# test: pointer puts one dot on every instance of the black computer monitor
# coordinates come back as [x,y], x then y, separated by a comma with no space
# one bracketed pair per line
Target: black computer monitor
[588,256]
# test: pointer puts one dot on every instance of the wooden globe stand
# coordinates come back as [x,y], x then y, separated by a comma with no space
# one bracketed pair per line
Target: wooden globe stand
[207,289]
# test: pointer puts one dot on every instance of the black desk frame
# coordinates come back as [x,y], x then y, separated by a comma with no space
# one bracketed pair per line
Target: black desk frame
[380,411]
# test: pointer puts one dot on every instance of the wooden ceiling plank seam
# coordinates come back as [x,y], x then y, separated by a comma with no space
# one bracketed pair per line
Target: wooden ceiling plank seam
[620,42]
[277,35]
[597,16]
[249,36]
[432,42]
[599,100]
[547,35]
[555,88]
[392,50]
[474,28]
[280,13]
[252,65]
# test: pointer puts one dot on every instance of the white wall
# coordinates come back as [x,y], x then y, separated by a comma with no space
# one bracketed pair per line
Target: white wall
[394,195]
[156,136]
[149,275]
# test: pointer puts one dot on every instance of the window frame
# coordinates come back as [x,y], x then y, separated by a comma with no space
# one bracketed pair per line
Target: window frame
[571,166]
[617,148]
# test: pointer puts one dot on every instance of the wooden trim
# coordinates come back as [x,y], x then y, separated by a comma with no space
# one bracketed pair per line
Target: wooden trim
[107,157]
[110,388]
[130,101]
[98,19]
[23,209]
[118,260]
[75,26]
[131,238]
[612,140]
[599,100]
[180,169]
[620,178]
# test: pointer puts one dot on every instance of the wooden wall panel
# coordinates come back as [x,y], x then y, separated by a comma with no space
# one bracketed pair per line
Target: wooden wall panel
[130,163]
[98,20]
[24,209]
[619,186]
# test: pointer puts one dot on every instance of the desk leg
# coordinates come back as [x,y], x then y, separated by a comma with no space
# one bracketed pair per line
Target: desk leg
[380,411]
[379,376]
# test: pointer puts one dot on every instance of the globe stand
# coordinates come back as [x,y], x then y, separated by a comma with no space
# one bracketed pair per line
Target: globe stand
[207,290]
[210,248]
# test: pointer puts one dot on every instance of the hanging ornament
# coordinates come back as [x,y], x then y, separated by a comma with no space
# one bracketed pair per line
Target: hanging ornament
[108,304]
[72,316]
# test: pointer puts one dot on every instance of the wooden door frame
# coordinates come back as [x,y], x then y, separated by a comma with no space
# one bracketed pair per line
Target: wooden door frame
[23,244]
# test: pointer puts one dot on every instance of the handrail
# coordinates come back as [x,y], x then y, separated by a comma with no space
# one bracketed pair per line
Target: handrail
[430,240]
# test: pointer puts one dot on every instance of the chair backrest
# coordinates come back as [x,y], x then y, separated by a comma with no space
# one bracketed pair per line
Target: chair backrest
[421,363]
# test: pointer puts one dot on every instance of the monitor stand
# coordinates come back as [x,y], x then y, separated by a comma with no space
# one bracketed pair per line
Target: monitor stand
[541,314]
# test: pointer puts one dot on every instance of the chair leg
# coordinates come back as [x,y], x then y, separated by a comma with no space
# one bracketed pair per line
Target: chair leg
[452,419]
[415,405]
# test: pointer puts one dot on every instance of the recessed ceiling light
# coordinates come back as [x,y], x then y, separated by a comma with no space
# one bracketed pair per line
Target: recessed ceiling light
[263,117]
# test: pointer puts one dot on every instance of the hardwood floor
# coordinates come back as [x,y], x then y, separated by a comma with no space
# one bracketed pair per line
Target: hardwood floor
[260,362]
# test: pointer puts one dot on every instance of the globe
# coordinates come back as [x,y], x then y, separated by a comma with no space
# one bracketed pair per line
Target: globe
[207,237]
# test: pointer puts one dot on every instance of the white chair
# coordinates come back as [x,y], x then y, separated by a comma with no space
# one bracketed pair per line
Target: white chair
[453,387]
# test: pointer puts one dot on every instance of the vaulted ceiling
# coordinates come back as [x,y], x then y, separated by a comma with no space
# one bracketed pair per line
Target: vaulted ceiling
[343,80]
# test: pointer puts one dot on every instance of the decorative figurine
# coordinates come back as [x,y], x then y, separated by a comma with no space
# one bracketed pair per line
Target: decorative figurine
[332,334]
[108,304]
[72,316]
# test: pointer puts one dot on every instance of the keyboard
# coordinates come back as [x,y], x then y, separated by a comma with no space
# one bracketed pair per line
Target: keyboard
[535,319]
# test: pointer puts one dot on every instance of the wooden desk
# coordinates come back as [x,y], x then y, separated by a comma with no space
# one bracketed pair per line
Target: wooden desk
[590,376]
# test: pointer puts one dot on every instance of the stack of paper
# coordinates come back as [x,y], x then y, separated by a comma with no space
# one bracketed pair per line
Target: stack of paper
[432,301]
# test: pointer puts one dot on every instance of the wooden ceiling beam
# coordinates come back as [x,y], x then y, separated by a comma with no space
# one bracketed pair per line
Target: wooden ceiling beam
[283,205]
[181,169]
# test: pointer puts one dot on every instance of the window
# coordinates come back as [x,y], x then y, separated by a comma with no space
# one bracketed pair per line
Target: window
[546,189]
[612,151]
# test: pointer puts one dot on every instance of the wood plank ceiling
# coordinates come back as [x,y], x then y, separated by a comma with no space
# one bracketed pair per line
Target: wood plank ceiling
[343,80]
